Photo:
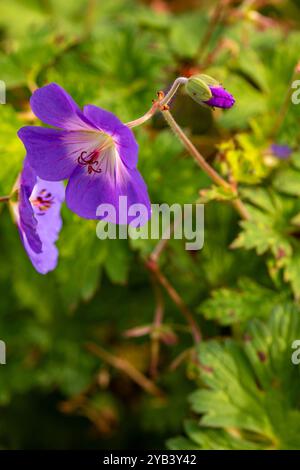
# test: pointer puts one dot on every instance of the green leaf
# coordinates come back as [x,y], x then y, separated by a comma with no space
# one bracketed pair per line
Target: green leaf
[251,65]
[11,73]
[251,389]
[118,260]
[81,253]
[250,299]
[242,159]
[210,439]
[262,236]
[295,160]
[186,34]
[292,273]
[217,193]
[267,227]
[250,102]
[272,227]
[287,181]
[11,149]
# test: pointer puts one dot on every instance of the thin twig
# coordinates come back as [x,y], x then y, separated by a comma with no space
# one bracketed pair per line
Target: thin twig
[175,297]
[157,321]
[180,358]
[161,245]
[126,367]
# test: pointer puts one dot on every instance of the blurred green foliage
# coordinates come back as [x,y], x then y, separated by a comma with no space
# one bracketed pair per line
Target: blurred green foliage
[243,286]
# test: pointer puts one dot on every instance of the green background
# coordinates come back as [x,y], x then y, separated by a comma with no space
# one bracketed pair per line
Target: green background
[239,388]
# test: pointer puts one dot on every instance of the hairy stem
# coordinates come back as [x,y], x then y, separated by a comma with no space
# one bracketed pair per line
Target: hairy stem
[158,104]
[148,115]
[214,176]
[178,82]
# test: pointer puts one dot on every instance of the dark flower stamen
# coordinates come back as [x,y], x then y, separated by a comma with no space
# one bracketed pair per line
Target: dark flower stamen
[91,161]
[43,201]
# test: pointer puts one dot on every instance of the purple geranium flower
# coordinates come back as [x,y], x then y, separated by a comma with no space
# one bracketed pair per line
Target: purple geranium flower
[281,151]
[221,98]
[93,148]
[37,214]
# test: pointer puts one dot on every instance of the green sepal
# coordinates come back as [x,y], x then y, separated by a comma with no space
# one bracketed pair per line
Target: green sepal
[197,87]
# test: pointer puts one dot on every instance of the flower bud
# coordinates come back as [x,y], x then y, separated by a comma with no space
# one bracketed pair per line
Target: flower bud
[206,91]
[198,89]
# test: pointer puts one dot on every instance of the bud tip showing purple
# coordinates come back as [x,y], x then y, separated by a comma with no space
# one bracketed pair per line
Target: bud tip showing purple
[221,98]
